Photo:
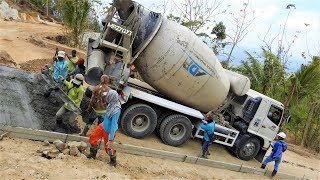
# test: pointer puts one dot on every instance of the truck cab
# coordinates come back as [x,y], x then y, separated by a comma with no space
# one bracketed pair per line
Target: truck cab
[255,116]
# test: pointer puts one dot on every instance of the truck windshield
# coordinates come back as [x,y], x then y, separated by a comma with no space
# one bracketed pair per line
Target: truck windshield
[275,114]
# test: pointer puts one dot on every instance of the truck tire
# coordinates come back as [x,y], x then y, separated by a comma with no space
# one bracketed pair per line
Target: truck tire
[160,119]
[248,149]
[138,120]
[175,130]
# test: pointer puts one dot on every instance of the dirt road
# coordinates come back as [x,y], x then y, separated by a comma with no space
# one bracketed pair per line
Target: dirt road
[19,160]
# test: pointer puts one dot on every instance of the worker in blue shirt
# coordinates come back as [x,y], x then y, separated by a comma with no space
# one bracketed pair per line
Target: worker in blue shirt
[208,128]
[60,66]
[277,149]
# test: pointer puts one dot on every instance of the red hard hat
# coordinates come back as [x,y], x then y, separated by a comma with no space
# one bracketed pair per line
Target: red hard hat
[80,61]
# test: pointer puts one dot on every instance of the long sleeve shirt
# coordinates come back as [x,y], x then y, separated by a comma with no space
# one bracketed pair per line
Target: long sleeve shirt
[60,68]
[75,94]
[208,129]
[278,148]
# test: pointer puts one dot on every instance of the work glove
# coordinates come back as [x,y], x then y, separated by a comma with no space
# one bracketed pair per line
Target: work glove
[204,121]
[60,78]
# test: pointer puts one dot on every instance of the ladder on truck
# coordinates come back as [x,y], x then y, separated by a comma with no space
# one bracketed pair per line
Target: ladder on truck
[223,135]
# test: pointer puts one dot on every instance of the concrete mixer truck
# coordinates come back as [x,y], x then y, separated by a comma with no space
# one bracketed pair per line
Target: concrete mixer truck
[183,80]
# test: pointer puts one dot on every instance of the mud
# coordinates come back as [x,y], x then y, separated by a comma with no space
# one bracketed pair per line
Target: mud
[22,103]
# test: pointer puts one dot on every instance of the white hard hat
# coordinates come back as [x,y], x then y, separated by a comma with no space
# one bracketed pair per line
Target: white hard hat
[78,79]
[61,54]
[282,134]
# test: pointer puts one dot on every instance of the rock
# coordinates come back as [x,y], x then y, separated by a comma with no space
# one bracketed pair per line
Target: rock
[59,145]
[74,143]
[54,151]
[83,146]
[66,151]
[61,156]
[51,155]
[57,141]
[45,153]
[46,143]
[7,12]
[82,156]
[73,150]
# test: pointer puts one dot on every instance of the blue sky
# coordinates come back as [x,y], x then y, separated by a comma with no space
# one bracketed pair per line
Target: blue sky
[268,12]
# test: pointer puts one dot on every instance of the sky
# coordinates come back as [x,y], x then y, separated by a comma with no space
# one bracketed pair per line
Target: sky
[269,13]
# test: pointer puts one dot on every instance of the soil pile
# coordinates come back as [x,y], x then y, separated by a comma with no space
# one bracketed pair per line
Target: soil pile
[22,103]
[35,65]
[6,59]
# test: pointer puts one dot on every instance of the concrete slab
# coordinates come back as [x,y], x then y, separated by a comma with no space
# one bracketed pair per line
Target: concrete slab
[152,152]
[219,164]
[287,176]
[39,135]
[73,137]
[191,159]
[252,170]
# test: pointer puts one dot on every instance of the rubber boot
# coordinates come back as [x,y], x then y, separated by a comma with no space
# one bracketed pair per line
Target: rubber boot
[113,158]
[85,130]
[263,166]
[93,152]
[274,172]
[204,155]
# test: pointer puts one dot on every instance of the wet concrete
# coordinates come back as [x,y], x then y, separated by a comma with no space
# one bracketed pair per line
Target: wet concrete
[22,103]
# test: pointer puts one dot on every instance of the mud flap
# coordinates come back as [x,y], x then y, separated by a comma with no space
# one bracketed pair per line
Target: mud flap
[259,157]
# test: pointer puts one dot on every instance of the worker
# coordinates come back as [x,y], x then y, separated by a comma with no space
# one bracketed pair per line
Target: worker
[107,128]
[133,71]
[277,149]
[60,67]
[274,116]
[72,60]
[98,103]
[208,127]
[75,94]
[80,68]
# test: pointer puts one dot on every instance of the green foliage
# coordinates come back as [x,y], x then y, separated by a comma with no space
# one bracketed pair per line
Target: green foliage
[220,31]
[75,16]
[266,76]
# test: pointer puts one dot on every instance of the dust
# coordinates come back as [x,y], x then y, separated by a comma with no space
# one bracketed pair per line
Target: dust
[6,59]
[23,103]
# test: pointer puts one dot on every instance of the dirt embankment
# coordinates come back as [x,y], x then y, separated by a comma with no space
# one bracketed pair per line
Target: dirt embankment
[6,59]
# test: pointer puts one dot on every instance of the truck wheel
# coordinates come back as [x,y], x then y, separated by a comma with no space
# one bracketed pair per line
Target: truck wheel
[138,120]
[248,148]
[160,119]
[175,130]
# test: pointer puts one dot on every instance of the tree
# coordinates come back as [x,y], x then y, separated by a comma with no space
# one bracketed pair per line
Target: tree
[195,14]
[265,74]
[219,30]
[303,102]
[241,21]
[75,16]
